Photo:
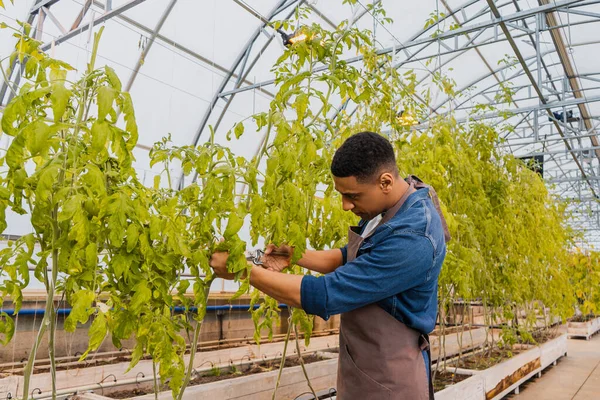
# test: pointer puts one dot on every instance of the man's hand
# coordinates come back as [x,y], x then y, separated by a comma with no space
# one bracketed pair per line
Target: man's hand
[277,258]
[218,262]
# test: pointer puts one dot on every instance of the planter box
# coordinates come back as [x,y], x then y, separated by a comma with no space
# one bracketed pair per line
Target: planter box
[501,379]
[454,341]
[552,350]
[492,383]
[81,377]
[322,375]
[260,386]
[469,389]
[507,376]
[583,329]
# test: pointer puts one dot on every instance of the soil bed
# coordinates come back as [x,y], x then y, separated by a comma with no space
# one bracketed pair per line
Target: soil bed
[486,359]
[582,318]
[444,379]
[76,365]
[451,329]
[215,376]
[544,336]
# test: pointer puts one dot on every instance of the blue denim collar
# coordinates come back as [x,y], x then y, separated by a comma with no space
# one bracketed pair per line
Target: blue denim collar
[420,194]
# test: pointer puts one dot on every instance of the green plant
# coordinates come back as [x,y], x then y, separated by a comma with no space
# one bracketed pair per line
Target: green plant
[72,174]
[69,168]
[585,279]
[215,371]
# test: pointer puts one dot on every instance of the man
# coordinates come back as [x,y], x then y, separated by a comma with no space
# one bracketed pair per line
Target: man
[384,282]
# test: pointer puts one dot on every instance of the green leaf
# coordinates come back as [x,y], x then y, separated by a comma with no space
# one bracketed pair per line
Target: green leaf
[136,355]
[3,223]
[91,255]
[130,124]
[37,135]
[70,207]
[7,328]
[234,225]
[105,99]
[301,105]
[12,115]
[97,332]
[132,237]
[31,67]
[97,37]
[95,180]
[15,153]
[244,287]
[58,75]
[4,193]
[141,297]
[16,295]
[59,97]
[120,264]
[81,309]
[47,180]
[239,130]
[100,131]
[113,79]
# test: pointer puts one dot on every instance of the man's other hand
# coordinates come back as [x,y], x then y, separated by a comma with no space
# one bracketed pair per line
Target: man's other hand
[277,258]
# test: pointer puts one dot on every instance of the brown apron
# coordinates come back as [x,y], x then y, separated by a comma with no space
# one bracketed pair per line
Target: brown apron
[380,357]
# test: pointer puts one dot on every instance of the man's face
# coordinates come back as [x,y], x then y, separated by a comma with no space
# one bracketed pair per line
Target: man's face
[365,199]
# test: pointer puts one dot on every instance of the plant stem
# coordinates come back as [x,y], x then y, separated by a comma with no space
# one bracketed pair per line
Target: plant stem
[155,380]
[471,325]
[194,346]
[282,364]
[302,363]
[31,360]
[52,333]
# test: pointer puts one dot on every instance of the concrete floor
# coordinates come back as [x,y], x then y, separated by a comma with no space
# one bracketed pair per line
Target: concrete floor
[575,377]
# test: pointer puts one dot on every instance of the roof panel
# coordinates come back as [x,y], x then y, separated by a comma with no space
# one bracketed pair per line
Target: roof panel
[200,41]
[217,30]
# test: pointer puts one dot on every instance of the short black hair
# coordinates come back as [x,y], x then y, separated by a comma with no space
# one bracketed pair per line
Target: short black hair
[364,155]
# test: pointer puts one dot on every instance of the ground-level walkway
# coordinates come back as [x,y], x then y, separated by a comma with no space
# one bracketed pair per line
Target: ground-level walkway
[575,377]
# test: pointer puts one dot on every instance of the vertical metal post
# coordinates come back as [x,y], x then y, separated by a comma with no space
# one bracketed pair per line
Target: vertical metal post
[564,93]
[40,24]
[538,55]
[536,125]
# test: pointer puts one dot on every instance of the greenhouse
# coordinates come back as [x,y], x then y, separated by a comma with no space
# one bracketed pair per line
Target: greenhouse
[300,199]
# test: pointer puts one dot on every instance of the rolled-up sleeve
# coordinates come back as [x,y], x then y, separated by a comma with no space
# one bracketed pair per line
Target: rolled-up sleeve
[398,263]
[344,251]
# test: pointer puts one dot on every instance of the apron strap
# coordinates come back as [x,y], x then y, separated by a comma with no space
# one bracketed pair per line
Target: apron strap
[418,183]
[424,345]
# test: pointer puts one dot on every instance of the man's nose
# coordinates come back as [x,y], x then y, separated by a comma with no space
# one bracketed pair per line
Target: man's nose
[347,205]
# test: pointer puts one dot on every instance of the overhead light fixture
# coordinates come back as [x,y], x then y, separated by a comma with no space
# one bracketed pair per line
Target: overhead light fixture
[561,116]
[534,163]
[406,119]
[290,39]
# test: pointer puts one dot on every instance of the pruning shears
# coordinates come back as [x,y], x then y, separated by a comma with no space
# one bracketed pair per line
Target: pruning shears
[257,255]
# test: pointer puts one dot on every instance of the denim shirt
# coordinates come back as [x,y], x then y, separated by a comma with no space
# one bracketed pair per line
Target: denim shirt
[397,267]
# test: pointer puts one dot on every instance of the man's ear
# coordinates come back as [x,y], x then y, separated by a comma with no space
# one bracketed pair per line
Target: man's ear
[386,182]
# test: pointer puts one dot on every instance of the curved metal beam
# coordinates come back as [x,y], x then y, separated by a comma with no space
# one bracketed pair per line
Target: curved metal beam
[148,46]
[281,5]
